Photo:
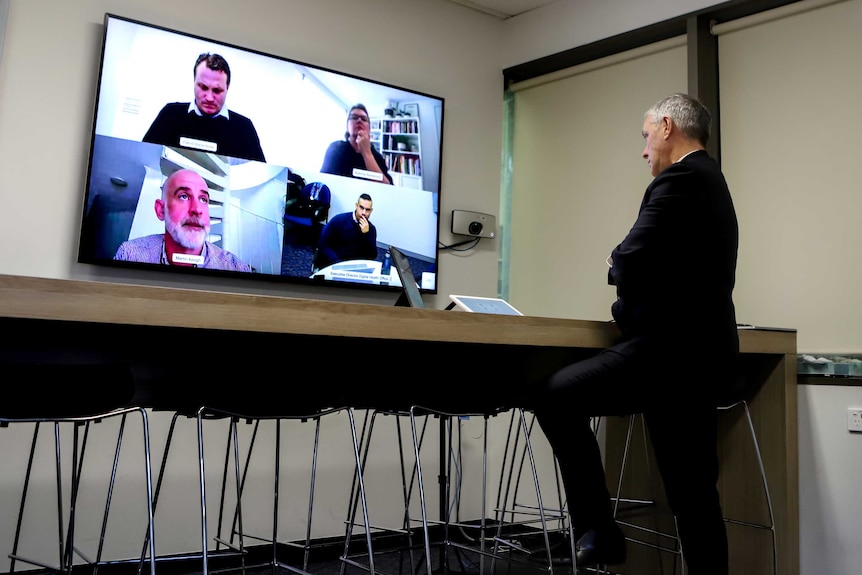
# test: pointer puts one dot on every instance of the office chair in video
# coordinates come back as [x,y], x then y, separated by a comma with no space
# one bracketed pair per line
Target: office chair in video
[306,210]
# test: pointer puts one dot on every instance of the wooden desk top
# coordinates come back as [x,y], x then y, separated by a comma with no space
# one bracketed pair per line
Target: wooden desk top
[532,346]
[112,303]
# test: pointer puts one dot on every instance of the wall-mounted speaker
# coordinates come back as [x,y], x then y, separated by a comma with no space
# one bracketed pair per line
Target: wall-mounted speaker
[474,224]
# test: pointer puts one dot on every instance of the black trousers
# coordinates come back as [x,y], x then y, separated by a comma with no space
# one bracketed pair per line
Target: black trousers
[681,423]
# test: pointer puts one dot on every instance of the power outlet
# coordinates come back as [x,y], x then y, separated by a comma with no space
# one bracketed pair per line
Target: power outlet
[854,419]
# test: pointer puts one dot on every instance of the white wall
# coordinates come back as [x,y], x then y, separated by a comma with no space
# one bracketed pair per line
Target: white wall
[830,465]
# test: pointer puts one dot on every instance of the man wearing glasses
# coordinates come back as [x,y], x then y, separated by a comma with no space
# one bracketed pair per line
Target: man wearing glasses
[354,156]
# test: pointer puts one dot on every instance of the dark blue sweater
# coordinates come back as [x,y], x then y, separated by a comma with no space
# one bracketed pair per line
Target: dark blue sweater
[233,137]
[342,240]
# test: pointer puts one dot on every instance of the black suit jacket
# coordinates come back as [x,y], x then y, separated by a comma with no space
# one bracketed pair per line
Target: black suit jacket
[675,270]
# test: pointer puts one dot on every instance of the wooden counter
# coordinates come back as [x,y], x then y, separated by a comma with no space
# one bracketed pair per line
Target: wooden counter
[425,355]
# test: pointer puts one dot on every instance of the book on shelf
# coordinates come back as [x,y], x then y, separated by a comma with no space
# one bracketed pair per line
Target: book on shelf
[408,126]
[404,164]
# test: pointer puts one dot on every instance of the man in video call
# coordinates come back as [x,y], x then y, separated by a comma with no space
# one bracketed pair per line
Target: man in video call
[184,207]
[348,236]
[355,151]
[207,122]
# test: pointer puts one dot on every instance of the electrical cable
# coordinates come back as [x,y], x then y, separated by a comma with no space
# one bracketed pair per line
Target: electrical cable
[473,241]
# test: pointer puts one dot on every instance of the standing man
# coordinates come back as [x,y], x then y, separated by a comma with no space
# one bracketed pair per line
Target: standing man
[206,123]
[674,275]
[354,156]
[348,236]
[184,207]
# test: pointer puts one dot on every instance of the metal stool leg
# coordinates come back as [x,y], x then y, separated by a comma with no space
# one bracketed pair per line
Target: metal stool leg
[673,546]
[158,487]
[771,525]
[13,556]
[66,535]
[237,530]
[424,510]
[504,534]
[508,502]
[406,528]
[202,475]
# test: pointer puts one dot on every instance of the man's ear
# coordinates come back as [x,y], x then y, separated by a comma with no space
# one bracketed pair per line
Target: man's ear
[160,209]
[667,127]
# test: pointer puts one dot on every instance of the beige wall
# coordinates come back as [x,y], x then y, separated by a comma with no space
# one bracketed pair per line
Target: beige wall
[578,179]
[795,193]
[796,182]
[566,24]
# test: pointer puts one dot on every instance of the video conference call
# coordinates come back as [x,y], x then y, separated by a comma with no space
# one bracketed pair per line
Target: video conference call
[211,156]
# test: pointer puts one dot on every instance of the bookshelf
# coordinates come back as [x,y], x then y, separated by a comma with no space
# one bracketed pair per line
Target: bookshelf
[401,147]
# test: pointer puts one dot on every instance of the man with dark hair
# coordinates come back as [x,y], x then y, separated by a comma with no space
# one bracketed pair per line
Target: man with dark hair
[674,274]
[348,236]
[206,123]
[354,156]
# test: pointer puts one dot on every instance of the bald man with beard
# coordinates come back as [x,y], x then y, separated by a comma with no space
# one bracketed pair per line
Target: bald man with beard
[184,207]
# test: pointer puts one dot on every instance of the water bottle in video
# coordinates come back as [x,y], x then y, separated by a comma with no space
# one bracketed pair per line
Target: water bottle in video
[387,265]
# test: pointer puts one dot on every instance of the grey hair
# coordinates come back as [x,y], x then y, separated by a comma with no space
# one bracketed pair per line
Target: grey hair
[687,113]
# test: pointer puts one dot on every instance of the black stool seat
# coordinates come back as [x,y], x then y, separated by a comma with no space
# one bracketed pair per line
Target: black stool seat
[50,391]
[75,394]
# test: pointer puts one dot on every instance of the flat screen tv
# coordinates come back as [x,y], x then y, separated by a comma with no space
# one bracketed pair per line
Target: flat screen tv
[210,158]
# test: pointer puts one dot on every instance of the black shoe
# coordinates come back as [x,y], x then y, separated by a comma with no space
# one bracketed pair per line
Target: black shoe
[561,554]
[604,545]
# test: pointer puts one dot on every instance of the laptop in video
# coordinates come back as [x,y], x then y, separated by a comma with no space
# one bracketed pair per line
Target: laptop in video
[478,304]
[410,295]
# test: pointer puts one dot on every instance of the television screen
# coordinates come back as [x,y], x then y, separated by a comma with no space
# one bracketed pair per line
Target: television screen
[209,158]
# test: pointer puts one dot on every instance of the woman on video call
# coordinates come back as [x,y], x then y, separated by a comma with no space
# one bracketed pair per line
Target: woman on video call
[355,150]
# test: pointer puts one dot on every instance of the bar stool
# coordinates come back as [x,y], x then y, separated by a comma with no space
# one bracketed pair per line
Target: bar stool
[403,537]
[748,384]
[511,500]
[231,534]
[73,396]
[511,533]
[504,538]
[652,531]
[737,399]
